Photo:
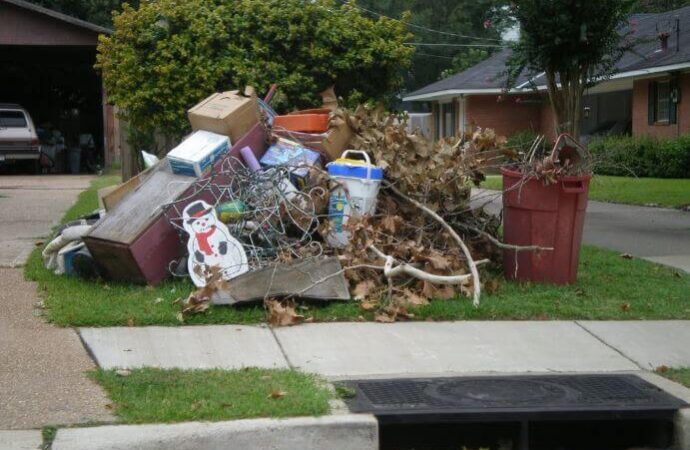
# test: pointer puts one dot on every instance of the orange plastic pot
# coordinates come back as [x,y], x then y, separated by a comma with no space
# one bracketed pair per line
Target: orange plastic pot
[303,123]
[547,216]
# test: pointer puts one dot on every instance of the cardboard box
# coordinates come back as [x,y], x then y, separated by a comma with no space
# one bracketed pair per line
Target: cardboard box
[228,113]
[330,144]
[196,155]
[337,139]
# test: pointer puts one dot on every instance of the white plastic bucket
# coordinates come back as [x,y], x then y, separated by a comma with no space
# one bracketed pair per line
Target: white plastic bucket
[356,186]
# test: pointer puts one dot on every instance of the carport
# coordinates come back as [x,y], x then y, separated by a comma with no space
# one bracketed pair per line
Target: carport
[47,63]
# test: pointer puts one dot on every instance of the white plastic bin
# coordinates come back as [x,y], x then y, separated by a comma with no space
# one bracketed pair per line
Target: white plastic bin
[356,185]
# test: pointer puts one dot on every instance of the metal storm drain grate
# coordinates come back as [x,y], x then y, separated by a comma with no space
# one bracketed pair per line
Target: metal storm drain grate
[502,398]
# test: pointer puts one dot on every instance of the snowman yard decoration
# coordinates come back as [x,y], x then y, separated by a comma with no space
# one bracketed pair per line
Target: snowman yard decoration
[211,246]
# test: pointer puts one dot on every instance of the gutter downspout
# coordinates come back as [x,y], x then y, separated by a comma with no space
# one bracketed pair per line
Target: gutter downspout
[462,114]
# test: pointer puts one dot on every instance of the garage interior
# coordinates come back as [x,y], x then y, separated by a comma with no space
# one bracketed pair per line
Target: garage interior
[47,61]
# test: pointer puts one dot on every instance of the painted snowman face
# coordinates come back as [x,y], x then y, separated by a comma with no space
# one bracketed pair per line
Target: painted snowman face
[203,223]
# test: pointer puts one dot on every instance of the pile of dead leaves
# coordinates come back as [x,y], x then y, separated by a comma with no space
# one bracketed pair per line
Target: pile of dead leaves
[439,174]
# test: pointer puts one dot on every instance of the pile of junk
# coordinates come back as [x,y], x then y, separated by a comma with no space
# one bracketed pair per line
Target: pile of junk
[326,204]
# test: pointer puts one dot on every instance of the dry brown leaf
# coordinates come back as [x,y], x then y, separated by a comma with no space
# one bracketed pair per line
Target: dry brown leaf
[362,289]
[438,261]
[368,306]
[280,315]
[384,317]
[391,224]
[409,298]
[277,394]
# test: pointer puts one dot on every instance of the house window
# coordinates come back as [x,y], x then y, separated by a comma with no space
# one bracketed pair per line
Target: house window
[662,106]
[446,120]
[662,101]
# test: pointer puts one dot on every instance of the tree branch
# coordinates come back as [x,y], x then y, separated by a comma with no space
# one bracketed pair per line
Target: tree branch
[466,251]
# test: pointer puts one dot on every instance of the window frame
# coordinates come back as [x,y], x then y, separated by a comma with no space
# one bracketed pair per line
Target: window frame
[656,103]
[662,98]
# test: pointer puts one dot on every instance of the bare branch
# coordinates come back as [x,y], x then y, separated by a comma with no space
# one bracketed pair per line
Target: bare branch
[470,261]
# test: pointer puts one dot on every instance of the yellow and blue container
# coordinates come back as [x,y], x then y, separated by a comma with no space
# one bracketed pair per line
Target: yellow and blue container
[355,188]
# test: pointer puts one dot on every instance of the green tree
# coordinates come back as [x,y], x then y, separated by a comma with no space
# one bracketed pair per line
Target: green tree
[466,60]
[444,22]
[574,43]
[167,55]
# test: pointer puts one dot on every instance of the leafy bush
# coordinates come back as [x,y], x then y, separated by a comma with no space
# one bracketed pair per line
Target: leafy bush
[167,55]
[522,140]
[642,156]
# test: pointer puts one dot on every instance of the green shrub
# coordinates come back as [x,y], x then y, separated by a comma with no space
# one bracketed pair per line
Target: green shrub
[642,156]
[522,140]
[167,55]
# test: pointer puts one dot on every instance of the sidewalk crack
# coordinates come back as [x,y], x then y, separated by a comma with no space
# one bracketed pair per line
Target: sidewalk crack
[280,346]
[607,344]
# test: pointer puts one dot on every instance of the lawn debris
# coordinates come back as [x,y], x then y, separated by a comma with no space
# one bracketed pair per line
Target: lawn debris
[282,314]
[277,394]
[317,278]
[327,204]
[662,369]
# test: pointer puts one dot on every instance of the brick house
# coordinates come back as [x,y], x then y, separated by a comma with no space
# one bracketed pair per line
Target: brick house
[648,95]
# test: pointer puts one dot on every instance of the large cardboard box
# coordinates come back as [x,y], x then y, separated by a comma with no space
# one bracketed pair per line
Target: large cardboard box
[227,113]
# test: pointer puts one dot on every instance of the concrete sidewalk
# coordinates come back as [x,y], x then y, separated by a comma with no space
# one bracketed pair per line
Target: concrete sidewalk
[660,235]
[347,350]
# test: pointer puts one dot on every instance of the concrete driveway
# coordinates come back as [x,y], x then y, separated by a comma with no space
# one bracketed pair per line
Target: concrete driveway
[42,367]
[29,207]
[660,235]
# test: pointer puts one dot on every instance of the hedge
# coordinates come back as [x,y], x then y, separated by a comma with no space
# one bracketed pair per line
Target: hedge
[642,156]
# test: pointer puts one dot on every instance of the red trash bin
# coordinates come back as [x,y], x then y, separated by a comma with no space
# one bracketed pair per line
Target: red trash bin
[547,216]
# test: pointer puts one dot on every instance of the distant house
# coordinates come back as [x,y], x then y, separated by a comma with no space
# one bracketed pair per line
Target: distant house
[649,94]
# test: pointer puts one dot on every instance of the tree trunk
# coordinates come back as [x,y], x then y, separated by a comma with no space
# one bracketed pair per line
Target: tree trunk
[566,100]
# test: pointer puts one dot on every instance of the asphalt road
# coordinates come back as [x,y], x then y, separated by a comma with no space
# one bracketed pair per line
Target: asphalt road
[657,234]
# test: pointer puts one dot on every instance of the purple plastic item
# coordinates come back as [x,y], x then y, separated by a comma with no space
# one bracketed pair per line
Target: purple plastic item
[250,159]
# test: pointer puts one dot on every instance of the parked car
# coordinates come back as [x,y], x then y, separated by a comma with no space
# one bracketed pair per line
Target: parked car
[18,137]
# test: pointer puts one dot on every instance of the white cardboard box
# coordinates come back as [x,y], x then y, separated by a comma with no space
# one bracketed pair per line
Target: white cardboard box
[196,155]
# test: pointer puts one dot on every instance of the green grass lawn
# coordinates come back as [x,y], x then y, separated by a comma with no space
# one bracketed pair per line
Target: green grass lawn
[673,193]
[609,287]
[87,201]
[163,396]
[679,375]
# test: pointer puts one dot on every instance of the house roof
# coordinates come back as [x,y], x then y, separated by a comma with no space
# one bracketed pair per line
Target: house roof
[489,75]
[58,15]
